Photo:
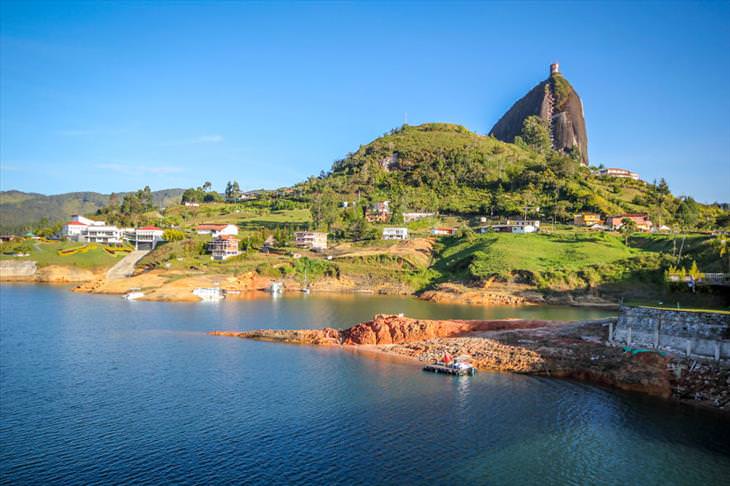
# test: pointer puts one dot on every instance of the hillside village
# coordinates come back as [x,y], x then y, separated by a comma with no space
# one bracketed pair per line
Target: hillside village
[434,209]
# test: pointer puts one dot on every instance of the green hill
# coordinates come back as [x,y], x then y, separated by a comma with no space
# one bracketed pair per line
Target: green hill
[20,210]
[447,168]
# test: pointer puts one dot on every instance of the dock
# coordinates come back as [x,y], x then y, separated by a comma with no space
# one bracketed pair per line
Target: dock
[450,370]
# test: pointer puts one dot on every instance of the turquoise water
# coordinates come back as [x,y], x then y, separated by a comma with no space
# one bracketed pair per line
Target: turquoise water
[94,389]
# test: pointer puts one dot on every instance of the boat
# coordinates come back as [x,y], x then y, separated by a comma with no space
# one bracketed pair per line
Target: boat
[276,288]
[133,294]
[450,366]
[209,294]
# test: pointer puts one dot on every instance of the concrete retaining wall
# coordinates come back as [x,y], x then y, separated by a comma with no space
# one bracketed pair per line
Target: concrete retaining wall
[17,269]
[701,334]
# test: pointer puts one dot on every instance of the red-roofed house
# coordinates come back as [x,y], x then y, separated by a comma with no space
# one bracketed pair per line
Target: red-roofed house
[643,223]
[72,230]
[217,229]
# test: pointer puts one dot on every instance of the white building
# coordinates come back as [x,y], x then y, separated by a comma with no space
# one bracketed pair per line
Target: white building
[527,228]
[443,231]
[395,233]
[73,229]
[522,223]
[410,217]
[311,239]
[88,222]
[217,230]
[145,238]
[616,172]
[107,235]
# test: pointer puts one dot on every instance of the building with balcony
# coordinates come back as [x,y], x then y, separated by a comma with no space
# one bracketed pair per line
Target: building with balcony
[222,247]
[395,233]
[313,240]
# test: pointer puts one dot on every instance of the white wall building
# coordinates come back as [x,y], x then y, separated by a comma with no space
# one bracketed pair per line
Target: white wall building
[72,230]
[145,238]
[108,235]
[522,223]
[395,233]
[88,222]
[311,239]
[410,217]
[217,230]
[527,228]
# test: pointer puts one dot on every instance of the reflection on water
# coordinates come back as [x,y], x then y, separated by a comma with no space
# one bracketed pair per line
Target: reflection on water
[97,389]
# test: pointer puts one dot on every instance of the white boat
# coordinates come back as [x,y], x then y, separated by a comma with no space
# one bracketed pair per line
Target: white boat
[209,294]
[133,295]
[276,287]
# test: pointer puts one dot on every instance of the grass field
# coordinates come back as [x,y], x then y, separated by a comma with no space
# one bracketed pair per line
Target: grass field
[46,253]
[548,260]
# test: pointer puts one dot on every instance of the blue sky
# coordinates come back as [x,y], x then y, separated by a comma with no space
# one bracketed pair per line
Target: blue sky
[113,96]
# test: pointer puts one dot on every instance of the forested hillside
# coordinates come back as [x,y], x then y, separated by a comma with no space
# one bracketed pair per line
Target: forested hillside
[22,210]
[447,168]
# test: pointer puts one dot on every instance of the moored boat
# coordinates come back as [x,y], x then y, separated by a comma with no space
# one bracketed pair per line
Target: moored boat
[133,294]
[209,294]
[450,366]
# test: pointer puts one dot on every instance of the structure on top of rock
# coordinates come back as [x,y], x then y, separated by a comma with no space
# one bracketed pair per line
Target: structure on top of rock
[556,102]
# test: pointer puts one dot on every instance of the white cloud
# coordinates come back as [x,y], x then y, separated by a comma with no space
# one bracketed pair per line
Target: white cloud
[139,169]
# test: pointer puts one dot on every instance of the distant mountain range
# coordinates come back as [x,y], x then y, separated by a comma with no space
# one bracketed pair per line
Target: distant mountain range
[19,210]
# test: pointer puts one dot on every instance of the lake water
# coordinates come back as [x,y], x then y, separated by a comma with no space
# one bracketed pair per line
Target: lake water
[94,389]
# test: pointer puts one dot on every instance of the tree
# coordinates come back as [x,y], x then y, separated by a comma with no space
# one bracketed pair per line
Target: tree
[688,213]
[722,245]
[536,135]
[233,191]
[207,186]
[662,187]
[173,235]
[628,227]
[324,209]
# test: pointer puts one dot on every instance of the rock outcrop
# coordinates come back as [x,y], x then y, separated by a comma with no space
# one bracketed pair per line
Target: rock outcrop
[575,350]
[557,103]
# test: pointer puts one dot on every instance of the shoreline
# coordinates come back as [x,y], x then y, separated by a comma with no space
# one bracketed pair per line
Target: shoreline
[567,350]
[177,286]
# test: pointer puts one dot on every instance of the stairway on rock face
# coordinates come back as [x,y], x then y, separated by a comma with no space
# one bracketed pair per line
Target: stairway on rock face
[550,110]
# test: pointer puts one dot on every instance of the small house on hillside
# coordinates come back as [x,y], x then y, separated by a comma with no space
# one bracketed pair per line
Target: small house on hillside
[410,217]
[587,219]
[521,223]
[311,239]
[643,223]
[443,231]
[616,172]
[222,247]
[216,230]
[395,233]
[378,212]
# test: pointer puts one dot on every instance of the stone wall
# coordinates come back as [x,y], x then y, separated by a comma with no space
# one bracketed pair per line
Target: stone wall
[17,269]
[700,334]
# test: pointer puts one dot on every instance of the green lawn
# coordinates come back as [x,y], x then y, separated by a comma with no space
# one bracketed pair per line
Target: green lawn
[46,253]
[548,260]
